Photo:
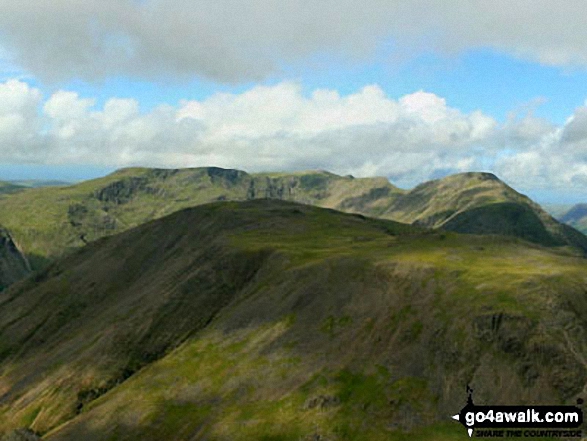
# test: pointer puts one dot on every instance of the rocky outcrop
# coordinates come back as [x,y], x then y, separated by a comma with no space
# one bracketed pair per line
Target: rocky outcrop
[13,264]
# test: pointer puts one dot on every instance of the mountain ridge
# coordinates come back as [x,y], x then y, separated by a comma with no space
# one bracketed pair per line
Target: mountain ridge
[51,221]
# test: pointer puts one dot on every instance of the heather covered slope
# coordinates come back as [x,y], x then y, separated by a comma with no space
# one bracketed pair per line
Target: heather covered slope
[273,320]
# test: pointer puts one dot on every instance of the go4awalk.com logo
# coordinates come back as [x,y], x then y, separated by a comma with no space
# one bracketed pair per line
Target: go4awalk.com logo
[520,421]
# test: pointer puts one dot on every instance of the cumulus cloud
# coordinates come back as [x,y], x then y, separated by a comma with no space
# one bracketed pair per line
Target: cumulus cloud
[416,137]
[232,41]
[19,123]
[542,155]
[263,128]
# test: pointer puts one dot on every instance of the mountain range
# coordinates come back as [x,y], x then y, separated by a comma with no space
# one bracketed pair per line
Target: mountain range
[213,304]
[48,222]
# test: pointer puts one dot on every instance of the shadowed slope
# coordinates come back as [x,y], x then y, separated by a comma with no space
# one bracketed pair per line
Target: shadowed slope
[13,264]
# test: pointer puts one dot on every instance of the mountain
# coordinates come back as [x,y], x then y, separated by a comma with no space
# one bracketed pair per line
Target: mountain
[433,203]
[556,210]
[273,320]
[576,217]
[49,222]
[480,203]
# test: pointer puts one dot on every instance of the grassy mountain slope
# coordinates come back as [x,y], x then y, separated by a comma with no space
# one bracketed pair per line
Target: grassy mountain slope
[576,217]
[434,202]
[273,320]
[51,221]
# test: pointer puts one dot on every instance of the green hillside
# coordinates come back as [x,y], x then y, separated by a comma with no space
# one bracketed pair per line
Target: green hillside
[270,320]
[48,222]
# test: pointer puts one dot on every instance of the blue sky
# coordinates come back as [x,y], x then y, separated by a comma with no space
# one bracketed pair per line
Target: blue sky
[412,91]
[482,79]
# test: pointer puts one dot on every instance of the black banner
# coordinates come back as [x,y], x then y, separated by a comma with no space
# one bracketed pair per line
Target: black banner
[518,417]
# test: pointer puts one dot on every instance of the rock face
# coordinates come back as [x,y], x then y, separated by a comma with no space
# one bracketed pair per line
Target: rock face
[13,264]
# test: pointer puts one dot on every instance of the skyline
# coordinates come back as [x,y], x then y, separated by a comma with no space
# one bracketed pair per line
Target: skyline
[411,91]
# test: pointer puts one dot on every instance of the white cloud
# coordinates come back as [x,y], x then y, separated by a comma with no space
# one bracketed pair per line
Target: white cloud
[19,123]
[366,133]
[18,97]
[230,40]
[67,106]
[541,155]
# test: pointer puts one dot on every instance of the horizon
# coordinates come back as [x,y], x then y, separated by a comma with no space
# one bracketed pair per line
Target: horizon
[411,92]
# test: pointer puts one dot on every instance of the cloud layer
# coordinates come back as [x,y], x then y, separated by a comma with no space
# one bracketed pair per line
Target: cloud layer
[366,133]
[233,41]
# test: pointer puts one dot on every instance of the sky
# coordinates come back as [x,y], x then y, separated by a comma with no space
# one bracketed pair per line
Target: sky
[411,90]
